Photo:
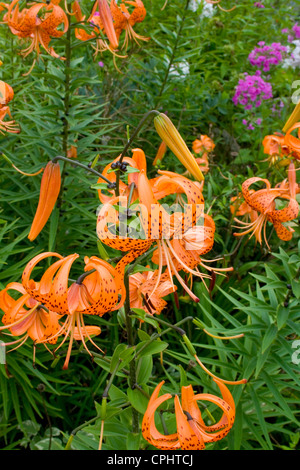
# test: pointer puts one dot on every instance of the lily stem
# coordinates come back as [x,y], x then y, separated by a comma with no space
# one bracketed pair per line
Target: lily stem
[129,142]
[81,165]
[130,339]
[158,98]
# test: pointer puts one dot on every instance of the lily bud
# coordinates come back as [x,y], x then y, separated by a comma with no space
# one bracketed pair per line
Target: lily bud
[50,188]
[170,135]
[294,117]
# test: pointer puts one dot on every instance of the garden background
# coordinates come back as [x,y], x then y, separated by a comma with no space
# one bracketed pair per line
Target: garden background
[189,68]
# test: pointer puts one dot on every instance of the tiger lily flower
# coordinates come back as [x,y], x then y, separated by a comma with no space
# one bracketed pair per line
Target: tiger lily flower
[275,147]
[7,126]
[49,191]
[39,30]
[141,288]
[263,201]
[192,433]
[242,209]
[26,316]
[204,144]
[292,142]
[6,93]
[96,292]
[137,161]
[170,135]
[124,21]
[95,21]
[108,24]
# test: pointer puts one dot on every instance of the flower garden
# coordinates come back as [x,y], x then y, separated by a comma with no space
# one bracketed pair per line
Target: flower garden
[149,225]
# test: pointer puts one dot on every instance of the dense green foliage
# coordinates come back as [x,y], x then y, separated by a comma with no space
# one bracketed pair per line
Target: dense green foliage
[188,69]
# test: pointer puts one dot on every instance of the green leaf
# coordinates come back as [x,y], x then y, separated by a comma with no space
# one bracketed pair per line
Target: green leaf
[269,337]
[150,348]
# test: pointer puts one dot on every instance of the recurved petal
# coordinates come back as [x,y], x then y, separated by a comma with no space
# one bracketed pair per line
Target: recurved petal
[189,438]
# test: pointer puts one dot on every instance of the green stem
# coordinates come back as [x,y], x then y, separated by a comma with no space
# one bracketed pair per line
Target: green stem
[130,141]
[173,55]
[65,132]
[81,165]
[132,364]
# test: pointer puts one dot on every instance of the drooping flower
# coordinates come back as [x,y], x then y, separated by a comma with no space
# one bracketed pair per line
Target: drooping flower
[7,126]
[125,21]
[263,201]
[274,147]
[26,317]
[192,432]
[143,295]
[241,208]
[49,191]
[203,145]
[6,93]
[94,21]
[292,142]
[38,29]
[96,292]
[106,18]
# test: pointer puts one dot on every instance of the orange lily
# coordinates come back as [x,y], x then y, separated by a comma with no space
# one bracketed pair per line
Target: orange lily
[6,93]
[241,209]
[94,293]
[7,126]
[141,288]
[192,433]
[137,161]
[124,21]
[95,21]
[292,142]
[108,23]
[26,316]
[204,144]
[39,30]
[50,188]
[263,201]
[180,241]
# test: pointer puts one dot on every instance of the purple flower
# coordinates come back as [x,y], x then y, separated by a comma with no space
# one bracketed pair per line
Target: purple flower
[259,121]
[264,56]
[259,5]
[101,64]
[251,90]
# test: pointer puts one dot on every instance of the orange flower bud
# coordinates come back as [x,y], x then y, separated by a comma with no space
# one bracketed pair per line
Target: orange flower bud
[50,188]
[170,135]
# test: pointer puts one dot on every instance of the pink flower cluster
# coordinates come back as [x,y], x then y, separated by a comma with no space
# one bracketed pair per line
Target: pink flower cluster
[252,90]
[259,5]
[292,34]
[265,56]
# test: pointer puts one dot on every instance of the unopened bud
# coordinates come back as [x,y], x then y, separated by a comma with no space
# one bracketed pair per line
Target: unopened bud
[170,135]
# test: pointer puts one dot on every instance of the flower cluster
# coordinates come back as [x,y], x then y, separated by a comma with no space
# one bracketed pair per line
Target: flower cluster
[265,56]
[251,90]
[293,34]
[259,5]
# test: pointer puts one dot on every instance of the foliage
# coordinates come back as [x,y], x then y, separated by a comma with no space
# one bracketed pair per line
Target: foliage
[189,70]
